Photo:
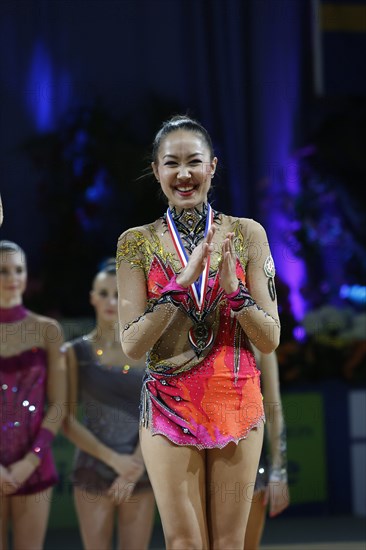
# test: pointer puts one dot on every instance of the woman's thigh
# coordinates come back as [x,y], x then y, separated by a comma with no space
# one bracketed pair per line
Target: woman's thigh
[177,475]
[29,519]
[136,520]
[4,521]
[231,474]
[96,519]
[256,521]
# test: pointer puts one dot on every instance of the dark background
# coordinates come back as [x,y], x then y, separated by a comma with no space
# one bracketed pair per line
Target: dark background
[281,87]
[85,85]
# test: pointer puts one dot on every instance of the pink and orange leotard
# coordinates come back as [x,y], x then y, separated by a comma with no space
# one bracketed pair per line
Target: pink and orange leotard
[205,400]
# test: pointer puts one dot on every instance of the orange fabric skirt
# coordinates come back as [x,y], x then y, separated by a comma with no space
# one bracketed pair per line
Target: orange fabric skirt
[207,406]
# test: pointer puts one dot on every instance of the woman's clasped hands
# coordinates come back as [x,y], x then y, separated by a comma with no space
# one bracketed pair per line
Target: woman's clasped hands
[199,257]
[130,468]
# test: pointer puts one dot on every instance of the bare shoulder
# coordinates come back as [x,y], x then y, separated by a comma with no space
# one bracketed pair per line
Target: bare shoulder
[50,330]
[46,321]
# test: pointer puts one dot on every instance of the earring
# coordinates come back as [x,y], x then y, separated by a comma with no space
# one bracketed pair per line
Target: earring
[212,175]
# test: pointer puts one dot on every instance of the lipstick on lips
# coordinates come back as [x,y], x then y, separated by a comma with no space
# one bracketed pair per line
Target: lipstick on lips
[185,189]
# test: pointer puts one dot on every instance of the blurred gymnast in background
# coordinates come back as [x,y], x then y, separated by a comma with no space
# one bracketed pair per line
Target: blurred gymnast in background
[110,481]
[32,398]
[271,489]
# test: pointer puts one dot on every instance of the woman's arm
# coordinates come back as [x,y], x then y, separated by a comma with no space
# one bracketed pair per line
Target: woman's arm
[83,438]
[278,494]
[142,323]
[1,212]
[275,424]
[57,378]
[140,329]
[260,321]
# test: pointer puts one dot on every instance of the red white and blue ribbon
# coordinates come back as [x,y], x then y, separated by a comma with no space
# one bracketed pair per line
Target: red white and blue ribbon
[198,287]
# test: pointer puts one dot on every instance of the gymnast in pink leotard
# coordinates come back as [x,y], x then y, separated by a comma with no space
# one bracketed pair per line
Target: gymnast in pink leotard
[32,400]
[196,291]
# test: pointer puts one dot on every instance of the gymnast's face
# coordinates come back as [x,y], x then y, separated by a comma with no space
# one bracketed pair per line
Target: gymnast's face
[13,277]
[104,297]
[184,168]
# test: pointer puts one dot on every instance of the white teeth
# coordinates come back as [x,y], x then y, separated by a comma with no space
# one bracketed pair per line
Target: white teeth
[185,188]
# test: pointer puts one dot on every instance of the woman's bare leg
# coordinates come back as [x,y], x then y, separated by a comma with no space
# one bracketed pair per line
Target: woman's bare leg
[29,519]
[177,475]
[136,521]
[4,521]
[96,519]
[231,474]
[256,521]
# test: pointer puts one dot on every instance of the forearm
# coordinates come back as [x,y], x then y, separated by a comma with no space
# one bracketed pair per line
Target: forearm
[276,434]
[85,440]
[54,417]
[48,429]
[1,212]
[139,336]
[262,329]
[137,452]
[33,459]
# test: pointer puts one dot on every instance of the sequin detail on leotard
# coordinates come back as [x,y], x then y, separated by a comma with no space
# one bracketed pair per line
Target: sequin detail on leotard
[23,382]
[210,401]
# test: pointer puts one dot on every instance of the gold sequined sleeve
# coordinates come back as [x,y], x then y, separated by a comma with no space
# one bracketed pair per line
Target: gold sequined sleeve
[130,248]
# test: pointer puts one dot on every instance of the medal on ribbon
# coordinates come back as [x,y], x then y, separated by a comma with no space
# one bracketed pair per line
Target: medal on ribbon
[200,335]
